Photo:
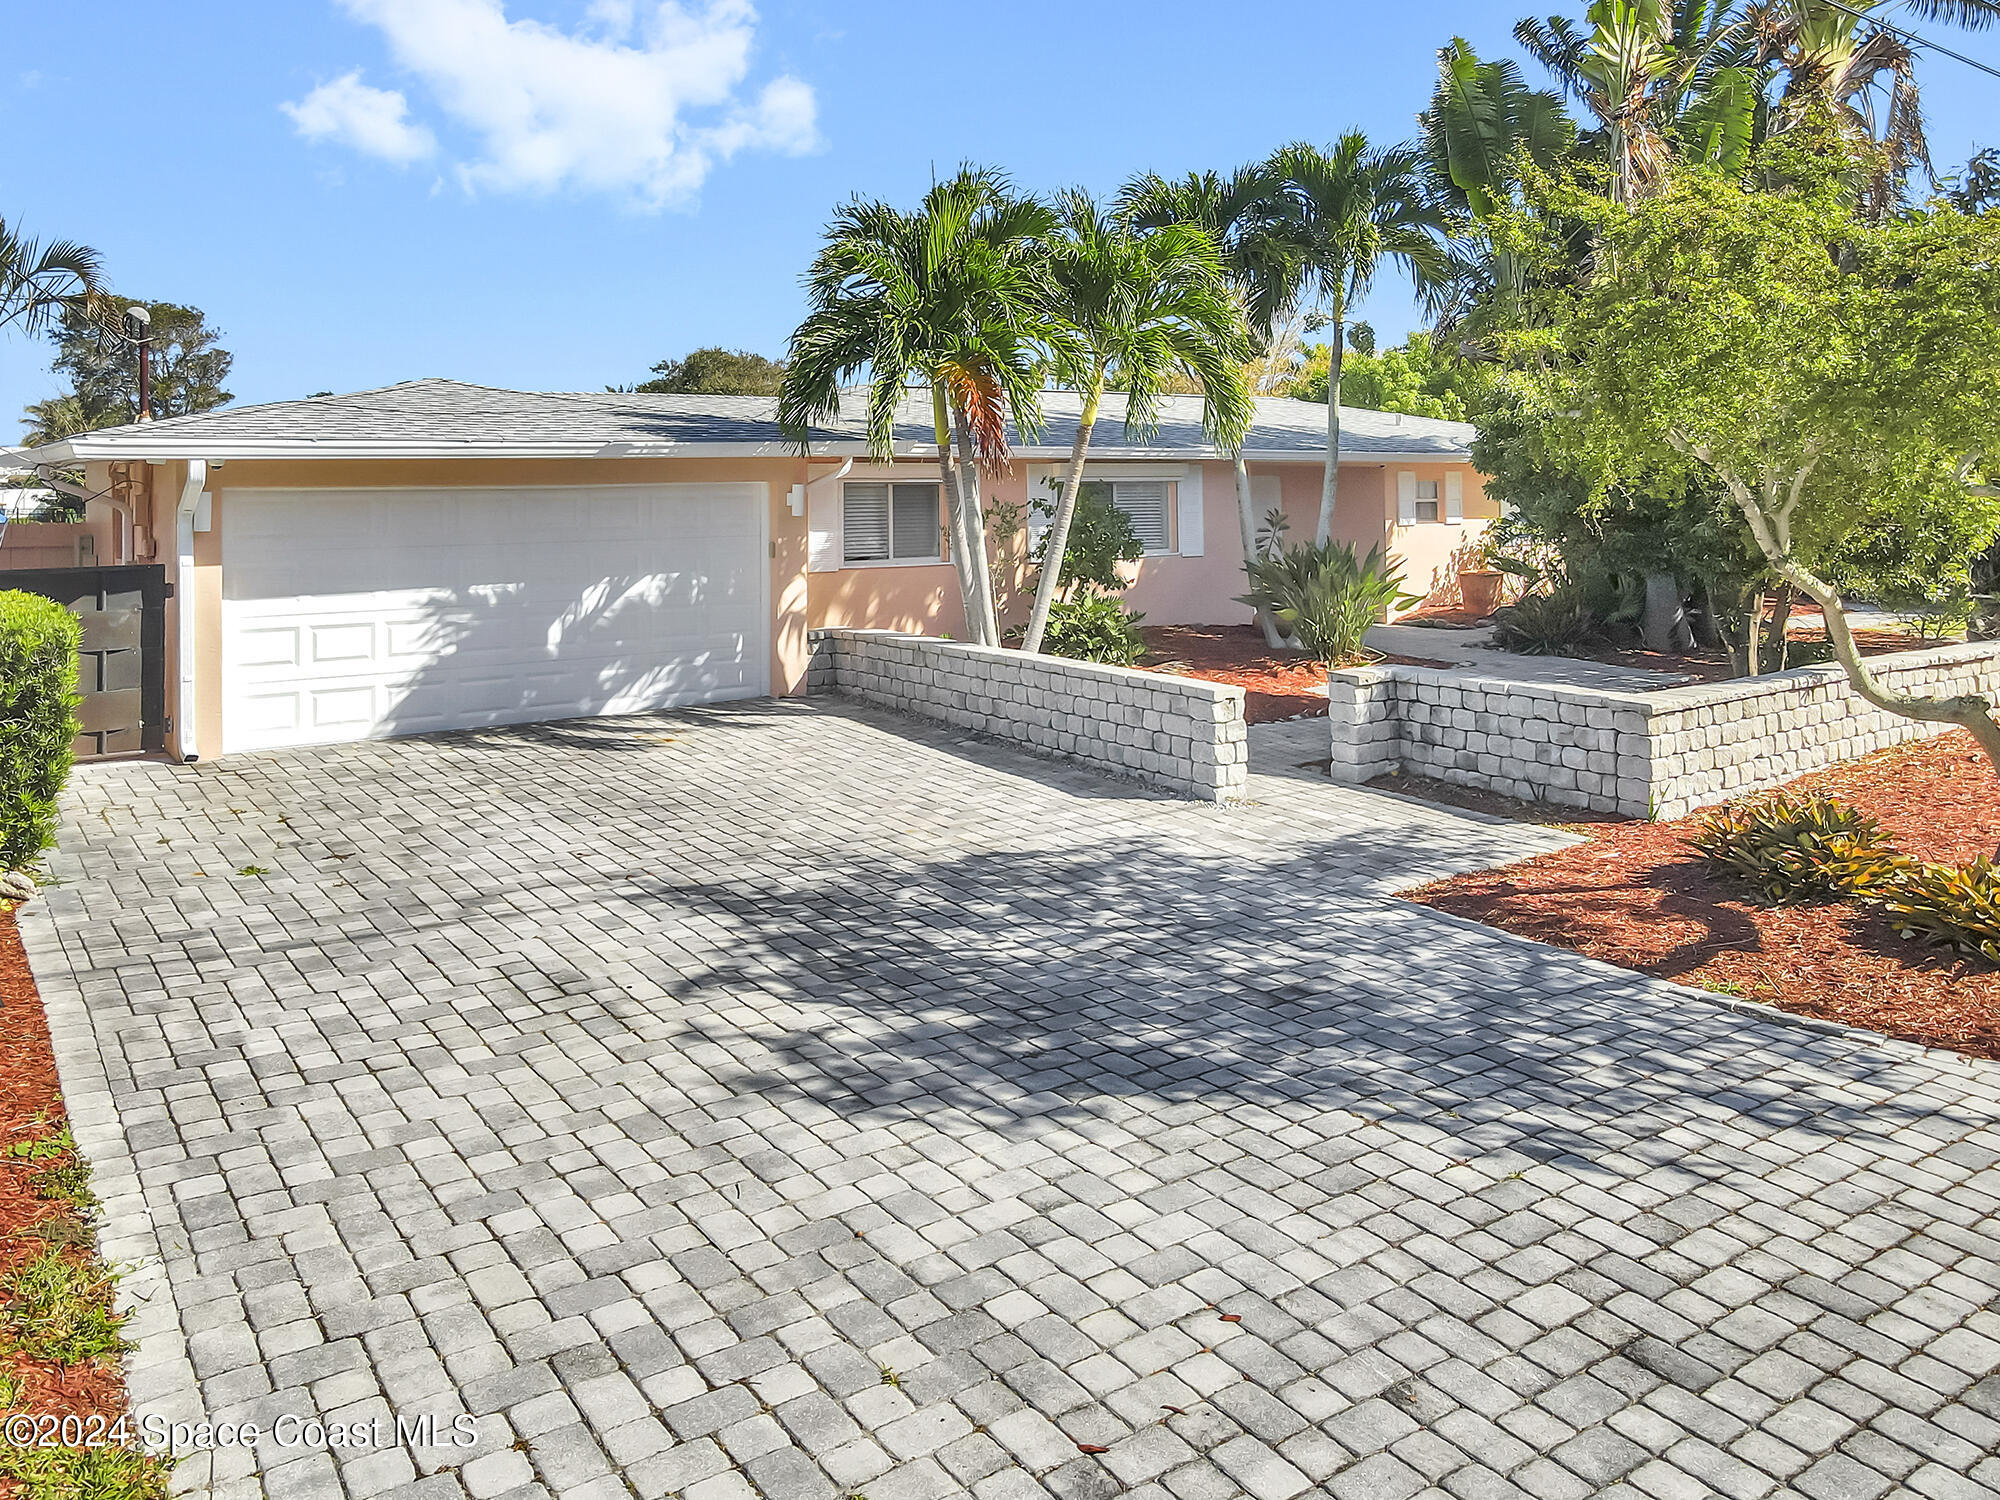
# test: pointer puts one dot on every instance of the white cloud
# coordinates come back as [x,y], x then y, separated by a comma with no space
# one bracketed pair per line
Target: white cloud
[371,120]
[642,102]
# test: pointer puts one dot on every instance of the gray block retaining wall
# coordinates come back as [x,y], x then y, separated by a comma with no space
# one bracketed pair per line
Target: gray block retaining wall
[1175,732]
[1659,754]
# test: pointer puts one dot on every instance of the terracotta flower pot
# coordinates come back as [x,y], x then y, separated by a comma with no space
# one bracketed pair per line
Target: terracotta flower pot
[1479,591]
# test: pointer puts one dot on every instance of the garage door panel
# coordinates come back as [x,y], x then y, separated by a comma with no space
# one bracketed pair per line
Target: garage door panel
[412,611]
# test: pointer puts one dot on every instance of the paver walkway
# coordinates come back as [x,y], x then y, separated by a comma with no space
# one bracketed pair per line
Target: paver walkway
[792,1101]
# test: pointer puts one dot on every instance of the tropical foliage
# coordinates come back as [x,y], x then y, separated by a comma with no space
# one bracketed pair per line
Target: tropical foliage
[1325,597]
[947,299]
[1094,627]
[1134,308]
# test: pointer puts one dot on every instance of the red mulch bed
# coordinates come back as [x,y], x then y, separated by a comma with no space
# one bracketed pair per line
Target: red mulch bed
[1276,684]
[31,1109]
[1634,894]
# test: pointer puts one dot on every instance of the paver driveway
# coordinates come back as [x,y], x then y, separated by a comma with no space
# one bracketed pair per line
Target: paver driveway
[789,1100]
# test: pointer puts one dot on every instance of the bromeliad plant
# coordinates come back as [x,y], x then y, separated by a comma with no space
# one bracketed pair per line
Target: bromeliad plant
[1325,597]
[1815,849]
[1797,849]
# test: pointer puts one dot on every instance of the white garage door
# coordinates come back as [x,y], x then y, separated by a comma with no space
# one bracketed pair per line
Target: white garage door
[356,614]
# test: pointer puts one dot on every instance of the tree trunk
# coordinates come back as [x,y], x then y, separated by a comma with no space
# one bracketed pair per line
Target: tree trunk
[961,546]
[1330,485]
[1771,531]
[1663,624]
[988,633]
[1058,538]
[1246,520]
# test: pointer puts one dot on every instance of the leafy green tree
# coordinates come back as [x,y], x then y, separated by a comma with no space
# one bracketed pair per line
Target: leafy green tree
[947,298]
[39,284]
[1242,214]
[98,356]
[1834,376]
[714,371]
[1136,308]
[1413,378]
[1345,211]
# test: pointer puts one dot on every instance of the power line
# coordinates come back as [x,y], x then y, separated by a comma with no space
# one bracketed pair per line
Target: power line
[1913,39]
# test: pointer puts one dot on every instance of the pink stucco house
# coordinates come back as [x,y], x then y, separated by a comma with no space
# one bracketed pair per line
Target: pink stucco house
[436,555]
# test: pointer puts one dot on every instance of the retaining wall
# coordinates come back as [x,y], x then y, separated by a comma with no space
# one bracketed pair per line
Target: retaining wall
[1175,732]
[1659,754]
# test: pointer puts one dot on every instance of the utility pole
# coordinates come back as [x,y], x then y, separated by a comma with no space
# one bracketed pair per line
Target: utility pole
[142,322]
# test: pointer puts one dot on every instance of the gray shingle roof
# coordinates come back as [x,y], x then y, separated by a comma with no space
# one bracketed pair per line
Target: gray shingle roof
[447,418]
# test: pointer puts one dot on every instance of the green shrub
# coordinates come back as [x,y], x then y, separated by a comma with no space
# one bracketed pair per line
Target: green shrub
[1799,849]
[1093,627]
[1100,538]
[38,698]
[1948,906]
[1324,596]
[1545,624]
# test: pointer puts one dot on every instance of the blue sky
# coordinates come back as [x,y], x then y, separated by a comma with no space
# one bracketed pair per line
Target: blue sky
[365,191]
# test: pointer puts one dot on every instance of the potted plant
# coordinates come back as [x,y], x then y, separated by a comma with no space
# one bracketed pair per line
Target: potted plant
[1480,583]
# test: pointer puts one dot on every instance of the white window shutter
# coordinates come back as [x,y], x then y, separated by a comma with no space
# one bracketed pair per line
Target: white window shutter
[1188,512]
[823,528]
[1454,496]
[1406,498]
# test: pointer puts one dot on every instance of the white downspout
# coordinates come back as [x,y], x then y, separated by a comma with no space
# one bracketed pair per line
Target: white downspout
[184,706]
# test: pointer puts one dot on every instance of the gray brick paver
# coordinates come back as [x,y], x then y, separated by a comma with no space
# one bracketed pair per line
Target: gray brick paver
[649,1087]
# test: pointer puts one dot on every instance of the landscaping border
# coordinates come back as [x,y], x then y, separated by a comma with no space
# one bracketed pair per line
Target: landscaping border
[1179,733]
[1641,754]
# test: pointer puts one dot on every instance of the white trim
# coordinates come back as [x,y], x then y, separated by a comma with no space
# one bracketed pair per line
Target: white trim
[184,613]
[152,448]
[1188,521]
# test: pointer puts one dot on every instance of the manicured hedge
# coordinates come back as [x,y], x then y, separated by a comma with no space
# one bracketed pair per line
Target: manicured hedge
[38,698]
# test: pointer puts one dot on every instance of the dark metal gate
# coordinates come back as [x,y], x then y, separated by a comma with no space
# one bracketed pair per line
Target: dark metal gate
[122,669]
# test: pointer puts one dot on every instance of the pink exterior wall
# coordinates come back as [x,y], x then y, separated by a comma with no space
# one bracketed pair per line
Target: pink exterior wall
[1172,589]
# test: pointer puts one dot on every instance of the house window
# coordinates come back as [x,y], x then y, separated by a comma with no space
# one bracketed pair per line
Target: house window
[882,522]
[1427,499]
[1147,503]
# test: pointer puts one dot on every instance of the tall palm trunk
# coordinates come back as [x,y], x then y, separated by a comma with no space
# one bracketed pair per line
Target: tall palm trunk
[1330,487]
[1058,539]
[1246,521]
[961,544]
[984,627]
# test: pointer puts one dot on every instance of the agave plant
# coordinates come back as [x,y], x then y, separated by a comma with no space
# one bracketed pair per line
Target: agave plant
[1325,597]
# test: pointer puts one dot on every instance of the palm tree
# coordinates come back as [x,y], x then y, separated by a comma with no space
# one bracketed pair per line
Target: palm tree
[59,417]
[1652,72]
[1862,74]
[1239,214]
[39,284]
[1135,309]
[1345,211]
[945,297]
[1482,118]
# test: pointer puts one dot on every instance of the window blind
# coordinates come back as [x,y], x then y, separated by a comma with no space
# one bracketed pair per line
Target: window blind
[1145,502]
[915,521]
[864,523]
